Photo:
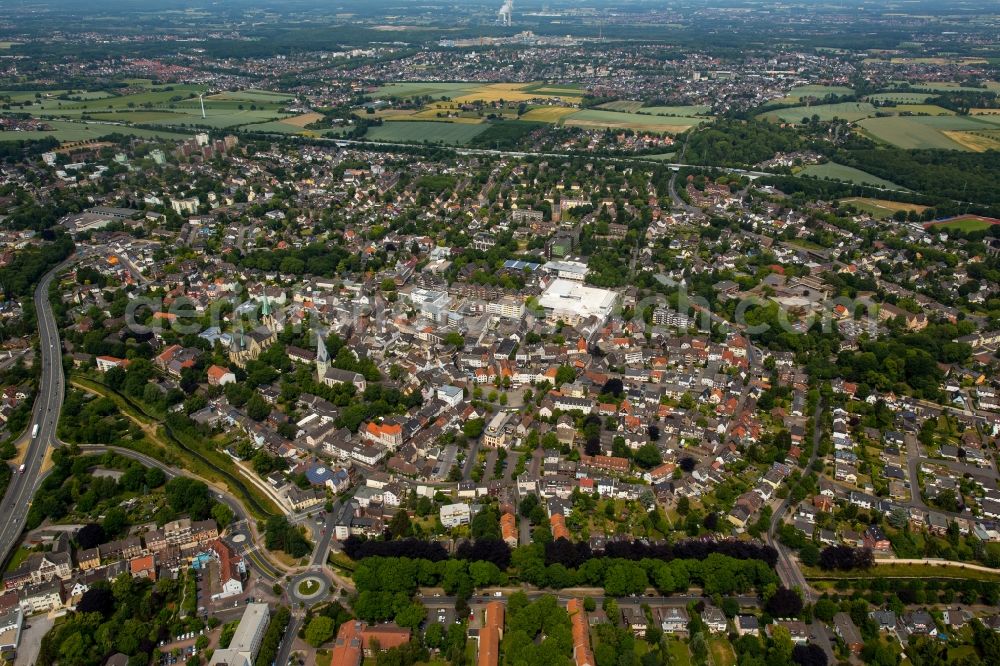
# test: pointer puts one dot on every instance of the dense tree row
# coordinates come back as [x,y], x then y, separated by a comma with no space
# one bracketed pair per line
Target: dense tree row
[360,548]
[573,554]
[273,636]
[846,558]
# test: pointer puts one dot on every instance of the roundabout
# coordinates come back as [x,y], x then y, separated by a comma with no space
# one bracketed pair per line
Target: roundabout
[308,588]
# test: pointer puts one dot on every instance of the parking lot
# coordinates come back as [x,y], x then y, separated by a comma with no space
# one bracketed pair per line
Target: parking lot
[178,650]
[442,614]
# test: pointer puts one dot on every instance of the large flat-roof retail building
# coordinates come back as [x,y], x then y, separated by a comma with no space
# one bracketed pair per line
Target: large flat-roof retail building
[571,302]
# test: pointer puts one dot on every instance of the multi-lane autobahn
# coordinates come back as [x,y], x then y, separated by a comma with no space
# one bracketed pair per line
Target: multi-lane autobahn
[45,415]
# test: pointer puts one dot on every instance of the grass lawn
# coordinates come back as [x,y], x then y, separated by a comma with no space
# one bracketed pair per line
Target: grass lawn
[308,587]
[341,561]
[659,157]
[834,171]
[678,652]
[957,653]
[904,571]
[721,652]
[17,558]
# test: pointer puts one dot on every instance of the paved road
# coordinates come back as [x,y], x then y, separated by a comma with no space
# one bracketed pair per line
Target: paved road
[285,651]
[45,415]
[132,268]
[471,458]
[248,548]
[524,528]
[326,536]
[787,569]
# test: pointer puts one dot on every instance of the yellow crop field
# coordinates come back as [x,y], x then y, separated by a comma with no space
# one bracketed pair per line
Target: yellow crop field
[974,141]
[491,94]
[514,92]
[304,119]
[984,112]
[548,114]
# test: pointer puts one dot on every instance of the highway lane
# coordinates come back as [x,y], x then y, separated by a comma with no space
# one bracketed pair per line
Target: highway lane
[48,403]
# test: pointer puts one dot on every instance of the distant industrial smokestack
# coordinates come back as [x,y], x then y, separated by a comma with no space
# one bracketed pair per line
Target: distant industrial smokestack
[505,12]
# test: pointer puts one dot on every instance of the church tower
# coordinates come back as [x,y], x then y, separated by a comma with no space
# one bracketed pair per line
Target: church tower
[268,319]
[322,357]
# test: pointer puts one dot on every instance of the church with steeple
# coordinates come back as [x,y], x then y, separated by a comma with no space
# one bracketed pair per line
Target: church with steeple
[248,346]
[322,357]
[331,376]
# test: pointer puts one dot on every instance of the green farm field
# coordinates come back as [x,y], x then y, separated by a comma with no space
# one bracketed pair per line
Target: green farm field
[176,105]
[926,132]
[167,105]
[881,208]
[214,118]
[920,109]
[849,111]
[253,96]
[283,127]
[834,171]
[682,111]
[419,131]
[953,87]
[796,95]
[629,106]
[595,118]
[65,130]
[819,91]
[418,88]
[900,97]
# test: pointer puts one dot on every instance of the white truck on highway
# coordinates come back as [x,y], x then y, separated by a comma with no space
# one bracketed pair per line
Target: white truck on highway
[34,431]
[20,470]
